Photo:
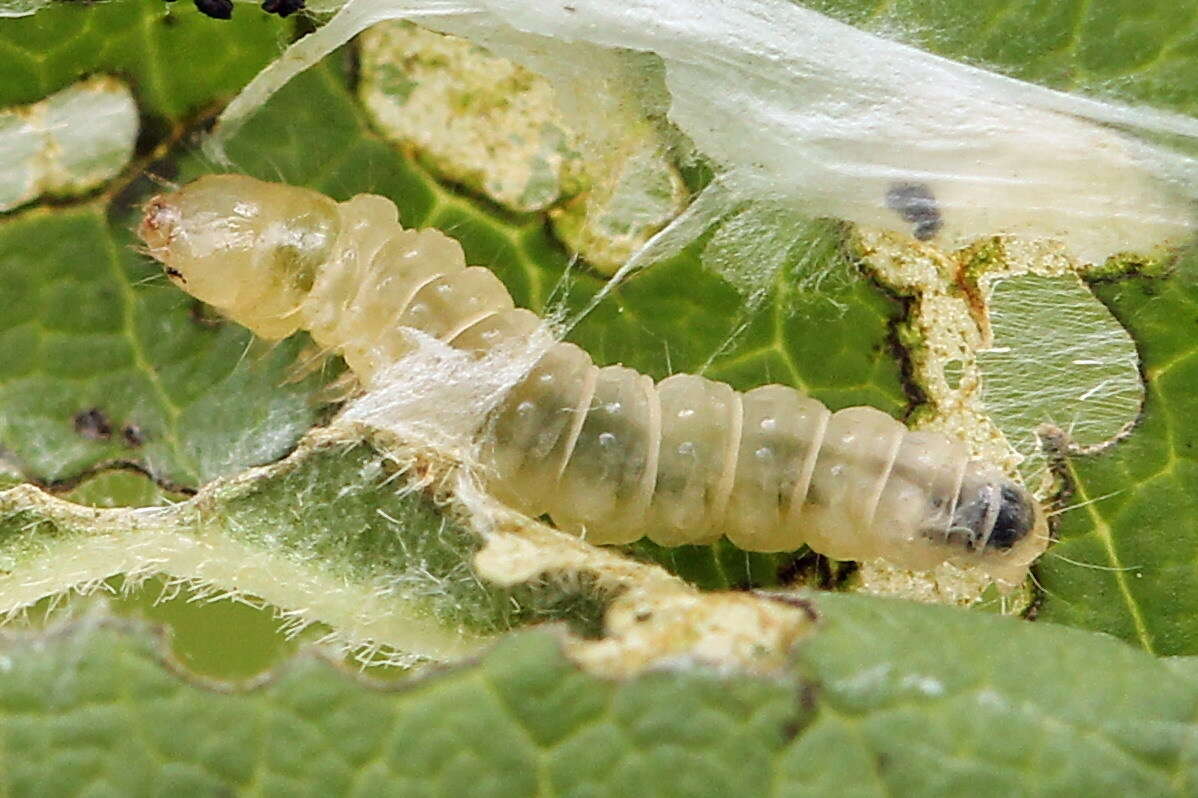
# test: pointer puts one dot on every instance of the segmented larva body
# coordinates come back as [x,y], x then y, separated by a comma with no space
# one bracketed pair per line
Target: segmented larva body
[603,451]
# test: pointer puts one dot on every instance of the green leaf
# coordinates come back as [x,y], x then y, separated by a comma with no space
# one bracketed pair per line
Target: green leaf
[1125,563]
[102,364]
[98,365]
[179,60]
[1113,48]
[120,488]
[524,717]
[335,534]
[933,701]
[862,713]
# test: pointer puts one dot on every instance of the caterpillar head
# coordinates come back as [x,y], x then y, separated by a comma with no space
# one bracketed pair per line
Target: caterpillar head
[996,521]
[249,248]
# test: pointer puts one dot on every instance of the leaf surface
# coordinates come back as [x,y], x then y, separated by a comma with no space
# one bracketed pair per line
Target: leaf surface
[104,364]
[93,708]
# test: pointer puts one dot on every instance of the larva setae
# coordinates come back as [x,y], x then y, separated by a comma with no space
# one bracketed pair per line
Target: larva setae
[603,451]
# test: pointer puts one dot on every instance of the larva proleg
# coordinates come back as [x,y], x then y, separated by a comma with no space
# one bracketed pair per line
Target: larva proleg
[603,450]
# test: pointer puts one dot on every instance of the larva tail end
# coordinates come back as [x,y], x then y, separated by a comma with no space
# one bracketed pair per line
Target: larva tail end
[249,248]
[157,221]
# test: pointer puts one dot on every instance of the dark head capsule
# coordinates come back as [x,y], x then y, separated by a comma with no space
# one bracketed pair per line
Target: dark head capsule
[992,516]
[1016,517]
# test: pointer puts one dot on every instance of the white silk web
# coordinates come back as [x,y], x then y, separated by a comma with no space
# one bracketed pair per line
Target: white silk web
[794,107]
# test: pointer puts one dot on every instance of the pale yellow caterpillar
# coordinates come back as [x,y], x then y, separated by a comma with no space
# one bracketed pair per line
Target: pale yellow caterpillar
[604,451]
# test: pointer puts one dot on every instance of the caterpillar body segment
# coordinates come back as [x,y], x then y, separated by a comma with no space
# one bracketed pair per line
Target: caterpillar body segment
[698,448]
[535,429]
[607,481]
[604,451]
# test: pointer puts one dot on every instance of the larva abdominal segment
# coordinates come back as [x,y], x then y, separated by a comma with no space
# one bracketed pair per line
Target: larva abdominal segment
[602,450]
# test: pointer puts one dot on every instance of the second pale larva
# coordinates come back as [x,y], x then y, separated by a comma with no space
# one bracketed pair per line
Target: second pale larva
[603,451]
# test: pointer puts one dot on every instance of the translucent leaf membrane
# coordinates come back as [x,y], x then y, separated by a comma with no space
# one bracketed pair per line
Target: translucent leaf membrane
[1059,359]
[21,8]
[68,143]
[791,105]
[481,121]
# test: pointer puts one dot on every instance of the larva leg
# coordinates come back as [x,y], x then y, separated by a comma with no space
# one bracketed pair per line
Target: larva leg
[606,484]
[782,433]
[700,426]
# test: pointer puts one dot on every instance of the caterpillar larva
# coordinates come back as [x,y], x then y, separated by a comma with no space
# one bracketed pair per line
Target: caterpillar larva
[603,451]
